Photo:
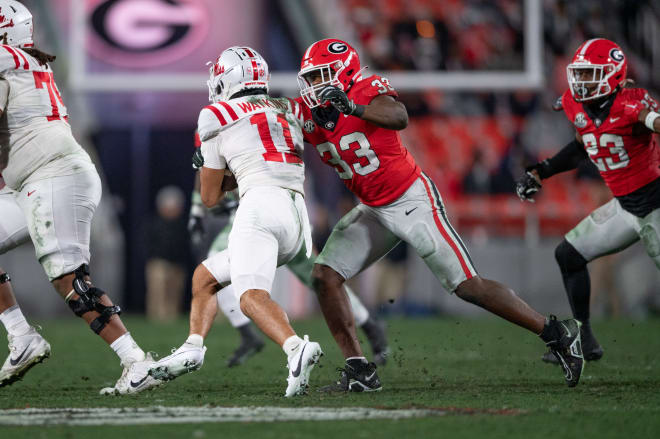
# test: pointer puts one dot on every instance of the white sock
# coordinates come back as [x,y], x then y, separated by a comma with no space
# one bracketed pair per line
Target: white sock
[14,321]
[195,340]
[291,345]
[128,351]
[360,359]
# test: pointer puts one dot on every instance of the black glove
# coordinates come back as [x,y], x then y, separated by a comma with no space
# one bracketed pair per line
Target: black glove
[197,159]
[340,101]
[196,223]
[527,186]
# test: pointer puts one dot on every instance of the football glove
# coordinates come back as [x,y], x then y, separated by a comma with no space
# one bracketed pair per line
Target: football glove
[340,101]
[196,222]
[197,159]
[527,186]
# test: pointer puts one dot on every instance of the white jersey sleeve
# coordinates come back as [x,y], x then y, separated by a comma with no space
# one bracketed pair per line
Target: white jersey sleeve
[213,157]
[9,59]
[215,118]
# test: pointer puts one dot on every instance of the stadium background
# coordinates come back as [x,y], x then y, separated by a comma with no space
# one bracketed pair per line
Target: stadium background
[478,79]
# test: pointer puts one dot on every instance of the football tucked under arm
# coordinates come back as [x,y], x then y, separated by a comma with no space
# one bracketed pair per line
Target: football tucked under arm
[229,182]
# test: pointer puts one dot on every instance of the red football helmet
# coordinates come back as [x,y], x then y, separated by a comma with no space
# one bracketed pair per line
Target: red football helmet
[334,61]
[597,69]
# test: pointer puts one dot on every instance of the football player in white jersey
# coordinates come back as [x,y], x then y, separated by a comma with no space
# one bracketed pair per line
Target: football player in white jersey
[259,140]
[55,192]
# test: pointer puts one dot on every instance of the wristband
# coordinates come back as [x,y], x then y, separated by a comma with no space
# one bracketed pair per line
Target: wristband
[359,111]
[196,198]
[650,119]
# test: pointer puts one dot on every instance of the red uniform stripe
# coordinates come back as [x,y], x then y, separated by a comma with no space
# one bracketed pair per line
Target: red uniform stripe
[255,73]
[230,110]
[249,52]
[10,50]
[217,113]
[26,65]
[444,233]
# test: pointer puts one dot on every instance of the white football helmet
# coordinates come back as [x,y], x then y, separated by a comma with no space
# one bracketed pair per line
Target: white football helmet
[15,24]
[235,70]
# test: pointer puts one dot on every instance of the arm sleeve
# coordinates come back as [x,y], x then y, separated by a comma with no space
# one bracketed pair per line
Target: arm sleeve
[566,159]
[212,157]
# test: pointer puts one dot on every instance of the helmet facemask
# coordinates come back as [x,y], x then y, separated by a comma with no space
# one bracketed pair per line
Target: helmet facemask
[328,76]
[590,81]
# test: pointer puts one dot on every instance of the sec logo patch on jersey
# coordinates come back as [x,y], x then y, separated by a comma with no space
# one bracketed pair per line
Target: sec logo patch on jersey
[309,126]
[580,120]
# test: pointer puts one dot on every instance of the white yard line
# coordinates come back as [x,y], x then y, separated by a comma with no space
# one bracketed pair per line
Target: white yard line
[180,415]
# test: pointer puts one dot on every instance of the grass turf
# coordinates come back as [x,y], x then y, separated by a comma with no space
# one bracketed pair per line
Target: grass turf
[483,364]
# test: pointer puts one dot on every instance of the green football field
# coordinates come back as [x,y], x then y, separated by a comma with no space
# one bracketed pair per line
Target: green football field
[479,378]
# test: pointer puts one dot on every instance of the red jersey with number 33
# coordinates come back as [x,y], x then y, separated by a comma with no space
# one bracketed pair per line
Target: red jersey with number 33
[372,161]
[621,147]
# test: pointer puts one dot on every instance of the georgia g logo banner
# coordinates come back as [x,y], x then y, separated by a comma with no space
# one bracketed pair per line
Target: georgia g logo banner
[145,33]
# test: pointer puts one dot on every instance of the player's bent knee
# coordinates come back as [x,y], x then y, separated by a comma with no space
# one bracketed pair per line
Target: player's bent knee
[203,280]
[85,298]
[250,299]
[325,278]
[471,290]
[568,258]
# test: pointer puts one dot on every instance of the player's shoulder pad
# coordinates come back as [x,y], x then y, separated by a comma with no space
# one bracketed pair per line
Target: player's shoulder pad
[635,100]
[373,86]
[11,58]
[214,118]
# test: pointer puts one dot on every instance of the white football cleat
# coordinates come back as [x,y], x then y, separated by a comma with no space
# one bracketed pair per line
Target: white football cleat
[25,351]
[300,366]
[135,378]
[187,358]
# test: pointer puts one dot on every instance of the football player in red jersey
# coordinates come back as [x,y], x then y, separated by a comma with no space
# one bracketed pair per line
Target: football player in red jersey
[353,120]
[614,128]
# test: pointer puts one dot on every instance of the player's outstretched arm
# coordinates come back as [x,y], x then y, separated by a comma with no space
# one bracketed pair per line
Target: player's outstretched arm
[386,112]
[566,159]
[383,111]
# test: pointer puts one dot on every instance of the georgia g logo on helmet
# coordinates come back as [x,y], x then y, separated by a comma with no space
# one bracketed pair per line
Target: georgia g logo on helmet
[337,47]
[616,55]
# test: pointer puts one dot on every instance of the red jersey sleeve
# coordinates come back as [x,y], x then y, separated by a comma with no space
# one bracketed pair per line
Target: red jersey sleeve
[635,100]
[197,140]
[367,89]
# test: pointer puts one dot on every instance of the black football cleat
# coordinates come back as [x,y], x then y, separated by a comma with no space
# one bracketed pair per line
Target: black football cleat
[563,339]
[355,378]
[249,346]
[591,349]
[375,332]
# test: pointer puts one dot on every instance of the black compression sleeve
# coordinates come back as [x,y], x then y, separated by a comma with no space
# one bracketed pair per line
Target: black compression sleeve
[566,159]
